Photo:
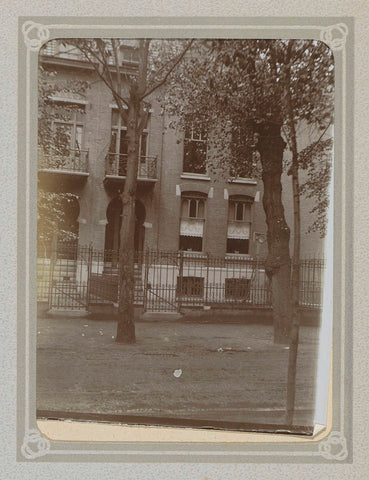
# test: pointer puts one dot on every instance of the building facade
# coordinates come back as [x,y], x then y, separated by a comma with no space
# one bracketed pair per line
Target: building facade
[180,205]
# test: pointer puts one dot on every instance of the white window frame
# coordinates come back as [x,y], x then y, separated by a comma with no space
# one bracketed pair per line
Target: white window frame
[186,217]
[232,219]
[73,123]
[244,205]
[197,200]
[201,140]
[119,128]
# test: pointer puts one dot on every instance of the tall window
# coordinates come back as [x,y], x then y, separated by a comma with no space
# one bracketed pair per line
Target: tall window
[118,142]
[239,224]
[68,128]
[242,151]
[192,222]
[195,148]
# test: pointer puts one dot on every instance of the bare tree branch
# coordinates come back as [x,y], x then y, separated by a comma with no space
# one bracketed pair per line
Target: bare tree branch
[117,94]
[86,51]
[144,51]
[176,62]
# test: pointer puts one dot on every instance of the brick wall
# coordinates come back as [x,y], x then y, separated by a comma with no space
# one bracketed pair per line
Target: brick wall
[162,199]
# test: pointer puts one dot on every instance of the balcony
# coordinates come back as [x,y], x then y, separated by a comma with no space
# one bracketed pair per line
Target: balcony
[69,163]
[58,52]
[116,169]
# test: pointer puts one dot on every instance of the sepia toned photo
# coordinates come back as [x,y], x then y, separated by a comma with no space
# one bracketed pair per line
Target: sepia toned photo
[183,196]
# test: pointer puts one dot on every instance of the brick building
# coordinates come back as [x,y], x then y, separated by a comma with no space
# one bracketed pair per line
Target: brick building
[180,205]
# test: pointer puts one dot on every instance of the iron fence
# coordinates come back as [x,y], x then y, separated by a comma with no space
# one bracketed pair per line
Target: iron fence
[61,277]
[75,277]
[181,279]
[311,282]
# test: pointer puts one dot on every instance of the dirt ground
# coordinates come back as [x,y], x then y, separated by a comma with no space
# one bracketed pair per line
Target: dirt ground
[229,372]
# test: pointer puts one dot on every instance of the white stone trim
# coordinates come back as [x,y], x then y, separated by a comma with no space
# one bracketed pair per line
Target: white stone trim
[245,181]
[195,176]
[115,106]
[56,98]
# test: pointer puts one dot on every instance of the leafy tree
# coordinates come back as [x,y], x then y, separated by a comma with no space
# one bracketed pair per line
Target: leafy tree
[307,77]
[259,92]
[253,94]
[131,90]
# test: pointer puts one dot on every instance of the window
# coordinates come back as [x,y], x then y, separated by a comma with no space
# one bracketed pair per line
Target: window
[128,54]
[118,150]
[192,222]
[237,288]
[243,153]
[239,223]
[190,286]
[66,147]
[68,137]
[195,148]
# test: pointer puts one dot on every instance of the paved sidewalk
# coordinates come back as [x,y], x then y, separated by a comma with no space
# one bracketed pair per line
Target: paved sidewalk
[228,372]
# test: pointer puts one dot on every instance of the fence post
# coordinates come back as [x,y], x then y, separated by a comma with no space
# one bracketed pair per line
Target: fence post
[53,258]
[207,279]
[180,280]
[146,279]
[89,269]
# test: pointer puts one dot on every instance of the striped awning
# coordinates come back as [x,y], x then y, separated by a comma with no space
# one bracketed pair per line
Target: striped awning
[238,230]
[192,227]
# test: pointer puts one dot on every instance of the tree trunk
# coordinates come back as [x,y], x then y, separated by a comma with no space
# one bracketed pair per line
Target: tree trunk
[294,334]
[278,264]
[126,327]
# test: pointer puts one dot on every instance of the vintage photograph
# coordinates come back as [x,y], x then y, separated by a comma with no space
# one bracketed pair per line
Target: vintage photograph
[183,192]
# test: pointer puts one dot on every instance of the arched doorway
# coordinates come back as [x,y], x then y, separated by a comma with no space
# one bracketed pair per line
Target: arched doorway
[112,229]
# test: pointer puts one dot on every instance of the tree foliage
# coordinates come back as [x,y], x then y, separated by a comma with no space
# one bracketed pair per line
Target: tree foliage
[250,94]
[316,160]
[54,208]
[52,108]
[234,85]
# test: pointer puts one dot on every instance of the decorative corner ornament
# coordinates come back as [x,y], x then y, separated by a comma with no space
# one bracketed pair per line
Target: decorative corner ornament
[35,35]
[334,448]
[335,36]
[34,445]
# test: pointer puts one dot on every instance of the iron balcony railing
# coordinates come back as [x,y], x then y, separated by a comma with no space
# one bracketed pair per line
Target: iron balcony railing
[56,49]
[68,160]
[116,165]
